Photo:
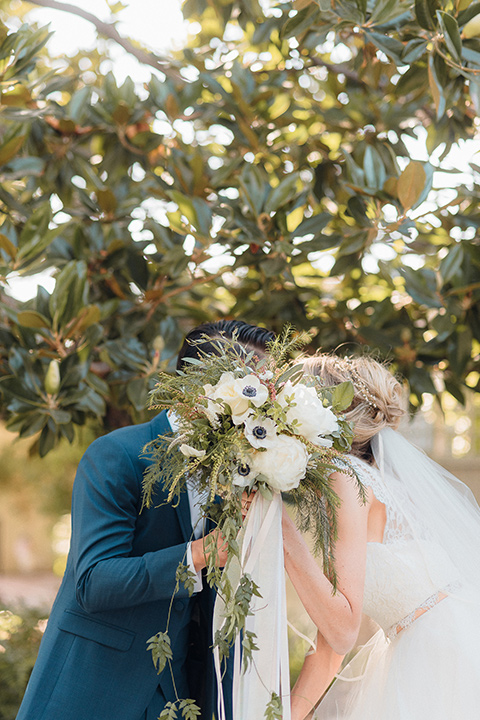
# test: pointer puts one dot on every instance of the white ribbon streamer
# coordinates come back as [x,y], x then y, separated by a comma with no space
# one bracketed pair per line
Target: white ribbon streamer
[261,557]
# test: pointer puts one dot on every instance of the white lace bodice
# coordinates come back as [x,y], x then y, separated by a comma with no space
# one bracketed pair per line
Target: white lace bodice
[403,573]
[402,577]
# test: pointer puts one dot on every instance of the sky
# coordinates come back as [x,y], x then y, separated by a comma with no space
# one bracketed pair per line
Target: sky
[157,24]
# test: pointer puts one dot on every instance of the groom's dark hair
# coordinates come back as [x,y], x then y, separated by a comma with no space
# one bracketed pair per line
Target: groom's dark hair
[248,336]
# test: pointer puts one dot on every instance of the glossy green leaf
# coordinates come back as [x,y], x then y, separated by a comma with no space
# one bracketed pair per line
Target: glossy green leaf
[32,319]
[373,167]
[467,10]
[69,297]
[390,46]
[413,50]
[425,11]
[385,11]
[436,88]
[185,206]
[451,33]
[301,21]
[410,184]
[9,149]
[421,285]
[350,11]
[8,246]
[451,264]
[282,194]
[36,236]
[46,441]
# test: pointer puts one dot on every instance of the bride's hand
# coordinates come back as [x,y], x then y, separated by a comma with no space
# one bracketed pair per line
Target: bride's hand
[247,500]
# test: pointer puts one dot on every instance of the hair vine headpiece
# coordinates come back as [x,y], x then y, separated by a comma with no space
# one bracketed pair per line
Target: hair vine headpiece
[346,363]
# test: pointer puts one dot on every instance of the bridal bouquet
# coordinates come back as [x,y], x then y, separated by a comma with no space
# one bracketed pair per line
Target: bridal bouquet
[249,424]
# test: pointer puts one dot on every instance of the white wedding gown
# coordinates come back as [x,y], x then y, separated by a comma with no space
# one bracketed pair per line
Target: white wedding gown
[424,661]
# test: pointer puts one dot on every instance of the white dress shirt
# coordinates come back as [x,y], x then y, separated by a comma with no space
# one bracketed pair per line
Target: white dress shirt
[195,500]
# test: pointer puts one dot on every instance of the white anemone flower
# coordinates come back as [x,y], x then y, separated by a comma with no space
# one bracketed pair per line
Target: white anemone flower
[244,472]
[253,389]
[240,394]
[260,432]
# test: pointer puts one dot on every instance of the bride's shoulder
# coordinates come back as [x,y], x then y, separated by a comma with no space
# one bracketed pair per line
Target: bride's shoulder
[352,464]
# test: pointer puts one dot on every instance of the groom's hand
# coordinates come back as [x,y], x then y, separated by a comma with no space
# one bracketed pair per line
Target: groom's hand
[203,548]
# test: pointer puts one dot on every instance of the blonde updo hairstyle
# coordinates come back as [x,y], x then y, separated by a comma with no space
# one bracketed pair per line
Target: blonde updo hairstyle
[379,400]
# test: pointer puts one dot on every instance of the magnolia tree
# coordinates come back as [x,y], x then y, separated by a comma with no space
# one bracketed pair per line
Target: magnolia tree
[294,163]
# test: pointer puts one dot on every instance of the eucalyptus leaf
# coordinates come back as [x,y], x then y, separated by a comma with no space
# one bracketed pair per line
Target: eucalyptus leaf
[342,396]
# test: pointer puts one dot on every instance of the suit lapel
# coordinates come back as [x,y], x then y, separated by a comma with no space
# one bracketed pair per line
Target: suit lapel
[161,426]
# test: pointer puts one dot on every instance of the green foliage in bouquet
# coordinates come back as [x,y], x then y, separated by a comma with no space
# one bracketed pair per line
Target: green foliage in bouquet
[248,423]
[188,708]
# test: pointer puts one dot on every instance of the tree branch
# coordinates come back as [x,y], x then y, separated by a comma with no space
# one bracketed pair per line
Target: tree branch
[159,62]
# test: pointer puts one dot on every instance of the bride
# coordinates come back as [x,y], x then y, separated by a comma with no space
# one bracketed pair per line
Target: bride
[408,557]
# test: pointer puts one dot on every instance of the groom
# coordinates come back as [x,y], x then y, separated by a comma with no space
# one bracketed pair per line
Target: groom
[120,579]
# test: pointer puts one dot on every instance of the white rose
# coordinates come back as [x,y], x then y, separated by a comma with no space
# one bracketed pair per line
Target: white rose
[284,464]
[314,421]
[190,451]
[260,432]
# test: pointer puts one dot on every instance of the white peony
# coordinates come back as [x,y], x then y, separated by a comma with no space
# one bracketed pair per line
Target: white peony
[190,451]
[314,421]
[283,464]
[260,432]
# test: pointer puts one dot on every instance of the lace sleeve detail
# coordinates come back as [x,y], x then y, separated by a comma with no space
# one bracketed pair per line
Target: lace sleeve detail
[396,527]
[368,475]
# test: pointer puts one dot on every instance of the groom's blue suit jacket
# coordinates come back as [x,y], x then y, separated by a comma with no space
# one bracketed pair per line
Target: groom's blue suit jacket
[118,585]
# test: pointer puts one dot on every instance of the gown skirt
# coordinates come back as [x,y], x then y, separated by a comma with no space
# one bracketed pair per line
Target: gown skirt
[429,671]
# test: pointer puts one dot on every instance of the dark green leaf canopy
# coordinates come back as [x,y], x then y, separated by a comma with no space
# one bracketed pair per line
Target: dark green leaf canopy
[275,171]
